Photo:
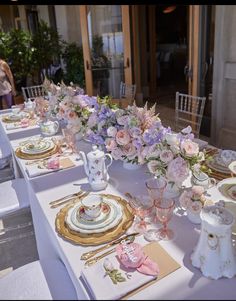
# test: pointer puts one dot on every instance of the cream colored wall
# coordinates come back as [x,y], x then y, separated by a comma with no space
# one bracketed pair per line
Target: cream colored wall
[224,78]
[68,22]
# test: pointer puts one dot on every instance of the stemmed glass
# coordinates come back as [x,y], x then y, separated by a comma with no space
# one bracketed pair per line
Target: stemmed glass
[69,139]
[142,207]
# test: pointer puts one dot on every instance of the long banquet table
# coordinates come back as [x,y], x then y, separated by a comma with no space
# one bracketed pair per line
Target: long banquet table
[186,282]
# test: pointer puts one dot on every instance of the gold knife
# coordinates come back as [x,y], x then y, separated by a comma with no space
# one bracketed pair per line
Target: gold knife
[73,199]
[90,254]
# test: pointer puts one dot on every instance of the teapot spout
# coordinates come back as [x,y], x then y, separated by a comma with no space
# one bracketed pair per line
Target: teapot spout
[83,157]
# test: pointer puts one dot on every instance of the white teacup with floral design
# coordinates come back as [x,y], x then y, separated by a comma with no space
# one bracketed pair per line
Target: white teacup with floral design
[92,205]
[202,179]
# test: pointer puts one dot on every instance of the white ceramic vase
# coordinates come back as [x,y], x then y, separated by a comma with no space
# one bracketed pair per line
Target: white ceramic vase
[194,217]
[131,166]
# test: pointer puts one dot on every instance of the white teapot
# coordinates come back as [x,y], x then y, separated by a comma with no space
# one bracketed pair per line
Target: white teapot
[95,168]
[214,253]
[49,127]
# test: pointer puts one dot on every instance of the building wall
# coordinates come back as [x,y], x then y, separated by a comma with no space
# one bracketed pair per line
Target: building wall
[43,13]
[68,22]
[224,79]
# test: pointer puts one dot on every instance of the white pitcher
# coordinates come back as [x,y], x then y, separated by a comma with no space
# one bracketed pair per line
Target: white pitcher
[214,253]
[96,168]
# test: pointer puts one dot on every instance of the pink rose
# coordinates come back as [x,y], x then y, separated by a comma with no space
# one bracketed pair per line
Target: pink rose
[77,99]
[189,148]
[185,199]
[122,137]
[197,190]
[130,151]
[166,156]
[110,144]
[177,170]
[117,153]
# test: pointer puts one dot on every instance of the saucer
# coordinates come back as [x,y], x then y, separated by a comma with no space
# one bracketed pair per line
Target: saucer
[105,211]
[89,227]
[214,165]
[232,167]
[227,188]
[37,148]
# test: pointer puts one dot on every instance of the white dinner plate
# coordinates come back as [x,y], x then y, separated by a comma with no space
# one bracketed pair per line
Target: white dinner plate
[212,164]
[111,221]
[231,206]
[32,147]
[232,167]
[226,188]
[17,117]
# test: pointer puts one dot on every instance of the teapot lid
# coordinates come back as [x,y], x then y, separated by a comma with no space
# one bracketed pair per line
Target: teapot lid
[95,153]
[217,215]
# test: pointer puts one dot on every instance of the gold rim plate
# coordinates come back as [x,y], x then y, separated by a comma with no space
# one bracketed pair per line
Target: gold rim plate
[96,238]
[45,154]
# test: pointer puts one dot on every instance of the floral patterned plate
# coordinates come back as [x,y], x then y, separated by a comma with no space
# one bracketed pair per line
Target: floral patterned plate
[35,147]
[227,188]
[103,224]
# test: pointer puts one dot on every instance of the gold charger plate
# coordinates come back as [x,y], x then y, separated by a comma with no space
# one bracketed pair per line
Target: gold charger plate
[7,119]
[45,154]
[96,238]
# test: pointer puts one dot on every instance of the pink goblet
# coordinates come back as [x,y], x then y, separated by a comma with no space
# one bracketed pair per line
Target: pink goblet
[69,139]
[143,208]
[164,212]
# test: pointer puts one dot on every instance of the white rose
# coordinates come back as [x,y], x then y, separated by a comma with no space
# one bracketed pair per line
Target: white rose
[111,131]
[172,139]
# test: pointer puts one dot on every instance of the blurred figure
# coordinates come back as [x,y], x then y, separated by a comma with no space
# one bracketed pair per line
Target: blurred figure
[7,86]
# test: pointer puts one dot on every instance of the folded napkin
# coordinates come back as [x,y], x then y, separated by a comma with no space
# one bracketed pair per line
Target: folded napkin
[101,287]
[13,126]
[37,170]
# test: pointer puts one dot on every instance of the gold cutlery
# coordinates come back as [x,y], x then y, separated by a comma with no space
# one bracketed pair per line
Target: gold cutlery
[94,260]
[88,255]
[70,200]
[65,197]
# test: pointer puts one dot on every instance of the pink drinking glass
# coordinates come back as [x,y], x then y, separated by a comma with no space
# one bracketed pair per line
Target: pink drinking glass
[155,188]
[142,207]
[164,212]
[69,139]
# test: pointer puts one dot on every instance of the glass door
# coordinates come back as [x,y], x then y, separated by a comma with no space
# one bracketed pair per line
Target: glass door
[106,48]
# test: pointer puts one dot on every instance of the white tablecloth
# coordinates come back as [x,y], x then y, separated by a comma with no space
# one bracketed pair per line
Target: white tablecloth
[185,283]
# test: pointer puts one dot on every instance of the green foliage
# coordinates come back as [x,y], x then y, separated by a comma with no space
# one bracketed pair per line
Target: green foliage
[47,41]
[73,57]
[16,48]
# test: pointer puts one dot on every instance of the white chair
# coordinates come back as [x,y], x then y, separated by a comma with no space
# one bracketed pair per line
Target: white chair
[127,93]
[6,164]
[25,283]
[32,92]
[189,111]
[13,196]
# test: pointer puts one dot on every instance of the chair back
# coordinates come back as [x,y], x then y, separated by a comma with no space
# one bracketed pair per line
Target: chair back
[189,111]
[32,92]
[127,92]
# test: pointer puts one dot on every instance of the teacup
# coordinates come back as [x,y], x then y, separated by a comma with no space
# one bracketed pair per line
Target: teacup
[15,109]
[92,205]
[202,179]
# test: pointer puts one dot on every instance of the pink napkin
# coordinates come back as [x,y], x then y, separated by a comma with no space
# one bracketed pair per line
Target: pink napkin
[132,256]
[53,163]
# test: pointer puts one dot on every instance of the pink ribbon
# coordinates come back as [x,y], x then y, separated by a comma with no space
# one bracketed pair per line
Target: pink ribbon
[132,256]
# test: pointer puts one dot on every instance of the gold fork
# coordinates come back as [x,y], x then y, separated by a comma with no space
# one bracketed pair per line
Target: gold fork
[70,200]
[65,197]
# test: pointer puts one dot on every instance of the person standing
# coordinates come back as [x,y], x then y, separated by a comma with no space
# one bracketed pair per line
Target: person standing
[7,86]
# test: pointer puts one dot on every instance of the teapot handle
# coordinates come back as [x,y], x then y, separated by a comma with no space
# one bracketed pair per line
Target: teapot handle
[110,157]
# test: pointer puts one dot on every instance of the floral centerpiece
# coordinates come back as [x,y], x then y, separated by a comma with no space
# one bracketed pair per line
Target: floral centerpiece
[133,134]
[102,118]
[193,200]
[175,156]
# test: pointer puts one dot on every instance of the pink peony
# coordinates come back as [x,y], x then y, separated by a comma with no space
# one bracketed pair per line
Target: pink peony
[130,151]
[185,199]
[122,137]
[189,148]
[110,144]
[177,170]
[166,156]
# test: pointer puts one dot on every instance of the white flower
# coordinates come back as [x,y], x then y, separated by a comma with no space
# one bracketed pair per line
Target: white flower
[189,148]
[172,139]
[111,131]
[107,264]
[166,156]
[187,130]
[154,167]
